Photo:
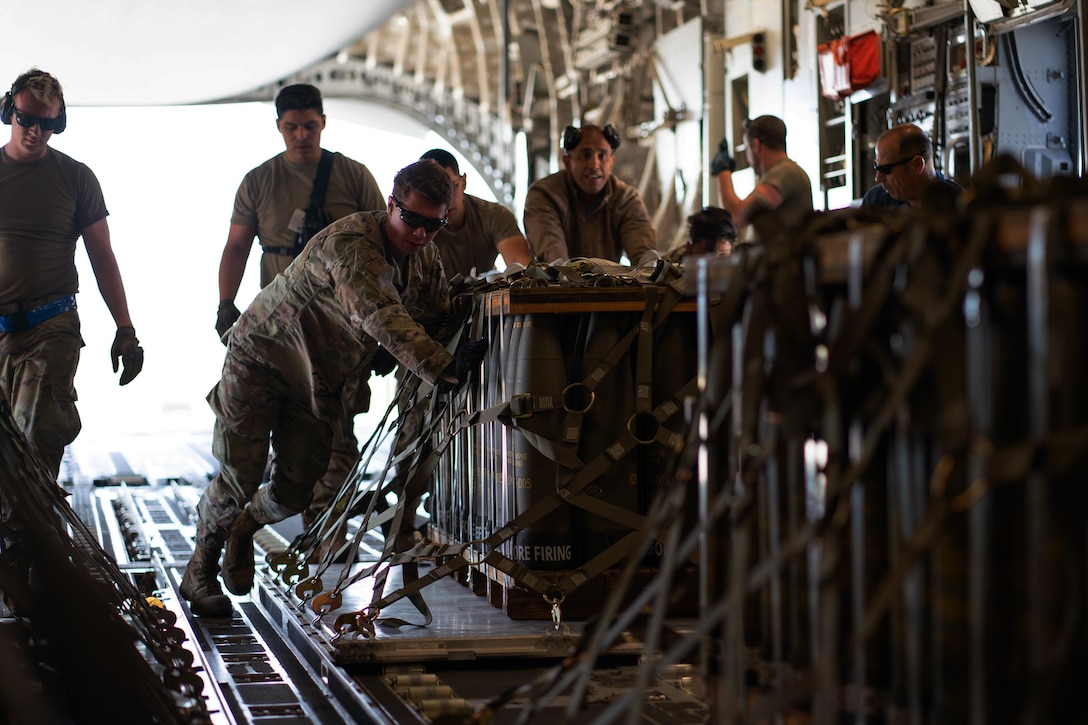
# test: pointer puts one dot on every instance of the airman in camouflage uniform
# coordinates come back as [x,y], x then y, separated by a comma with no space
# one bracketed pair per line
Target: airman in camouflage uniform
[267,203]
[370,278]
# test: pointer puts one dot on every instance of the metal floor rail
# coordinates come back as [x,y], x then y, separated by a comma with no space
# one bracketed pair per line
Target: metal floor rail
[274,661]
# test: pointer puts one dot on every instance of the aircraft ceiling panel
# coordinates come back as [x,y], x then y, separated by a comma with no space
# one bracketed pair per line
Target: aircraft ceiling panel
[136,52]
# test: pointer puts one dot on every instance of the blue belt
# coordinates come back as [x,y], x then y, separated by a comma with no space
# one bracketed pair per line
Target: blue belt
[28,318]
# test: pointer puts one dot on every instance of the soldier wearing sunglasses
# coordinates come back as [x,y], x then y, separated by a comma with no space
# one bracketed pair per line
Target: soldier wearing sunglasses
[905,174]
[47,202]
[370,279]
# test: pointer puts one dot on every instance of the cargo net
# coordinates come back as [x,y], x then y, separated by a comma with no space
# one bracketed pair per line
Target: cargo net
[88,642]
[539,469]
[878,473]
[887,487]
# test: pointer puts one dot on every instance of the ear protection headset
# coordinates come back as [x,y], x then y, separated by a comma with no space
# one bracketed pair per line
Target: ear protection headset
[7,104]
[572,136]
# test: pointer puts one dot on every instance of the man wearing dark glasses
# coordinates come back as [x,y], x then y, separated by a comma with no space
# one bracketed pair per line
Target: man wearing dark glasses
[47,202]
[372,278]
[905,174]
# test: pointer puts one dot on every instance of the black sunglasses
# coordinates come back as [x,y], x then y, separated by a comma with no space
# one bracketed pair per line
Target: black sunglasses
[46,124]
[429,224]
[885,169]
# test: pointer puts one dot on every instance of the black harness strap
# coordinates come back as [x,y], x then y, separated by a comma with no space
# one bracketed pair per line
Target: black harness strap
[317,199]
[321,180]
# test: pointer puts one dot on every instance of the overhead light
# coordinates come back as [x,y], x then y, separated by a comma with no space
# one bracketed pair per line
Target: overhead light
[611,38]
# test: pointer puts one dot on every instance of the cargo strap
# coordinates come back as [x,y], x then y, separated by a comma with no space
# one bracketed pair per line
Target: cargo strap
[457,556]
[844,468]
[71,565]
[420,462]
[291,566]
[1023,462]
[327,601]
[517,411]
[574,490]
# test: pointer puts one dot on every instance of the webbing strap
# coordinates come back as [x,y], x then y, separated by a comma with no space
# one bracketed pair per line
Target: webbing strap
[573,490]
[573,493]
[904,382]
[521,405]
[457,556]
[410,490]
[1010,464]
[557,451]
[645,366]
[898,388]
[321,179]
[572,426]
[413,487]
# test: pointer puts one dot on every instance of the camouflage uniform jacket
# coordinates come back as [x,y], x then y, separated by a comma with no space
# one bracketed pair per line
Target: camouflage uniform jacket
[319,323]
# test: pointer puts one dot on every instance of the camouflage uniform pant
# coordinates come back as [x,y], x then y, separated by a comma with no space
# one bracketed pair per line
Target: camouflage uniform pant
[253,408]
[345,452]
[37,377]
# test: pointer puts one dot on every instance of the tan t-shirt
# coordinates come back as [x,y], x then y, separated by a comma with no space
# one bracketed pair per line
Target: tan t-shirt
[270,194]
[793,184]
[44,206]
[475,244]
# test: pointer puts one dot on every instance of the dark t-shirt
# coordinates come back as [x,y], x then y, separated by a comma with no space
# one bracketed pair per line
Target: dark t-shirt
[877,198]
[44,207]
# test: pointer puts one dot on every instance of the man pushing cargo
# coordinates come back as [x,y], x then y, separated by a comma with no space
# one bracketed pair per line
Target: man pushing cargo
[585,211]
[370,278]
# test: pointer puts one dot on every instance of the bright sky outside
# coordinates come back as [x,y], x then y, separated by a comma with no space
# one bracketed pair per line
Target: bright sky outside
[169,175]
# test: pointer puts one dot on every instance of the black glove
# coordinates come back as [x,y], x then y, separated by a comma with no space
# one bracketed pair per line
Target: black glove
[722,161]
[126,348]
[468,357]
[227,316]
[383,362]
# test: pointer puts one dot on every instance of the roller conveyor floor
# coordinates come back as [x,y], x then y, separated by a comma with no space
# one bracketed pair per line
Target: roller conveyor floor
[276,661]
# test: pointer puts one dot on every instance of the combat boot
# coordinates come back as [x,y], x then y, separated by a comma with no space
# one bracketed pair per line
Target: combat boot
[200,585]
[238,561]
